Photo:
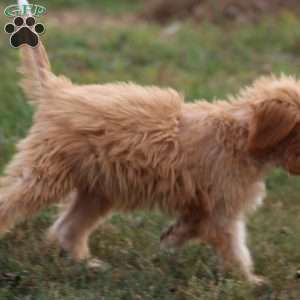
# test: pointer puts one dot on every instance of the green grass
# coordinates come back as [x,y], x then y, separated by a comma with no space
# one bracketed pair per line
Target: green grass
[203,61]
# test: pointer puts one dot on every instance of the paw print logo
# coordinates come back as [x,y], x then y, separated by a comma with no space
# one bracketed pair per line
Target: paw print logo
[24,31]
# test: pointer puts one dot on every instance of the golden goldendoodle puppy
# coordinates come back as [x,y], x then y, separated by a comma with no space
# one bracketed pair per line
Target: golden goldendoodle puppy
[123,147]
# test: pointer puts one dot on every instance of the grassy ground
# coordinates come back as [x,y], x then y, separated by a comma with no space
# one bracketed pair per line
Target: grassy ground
[204,62]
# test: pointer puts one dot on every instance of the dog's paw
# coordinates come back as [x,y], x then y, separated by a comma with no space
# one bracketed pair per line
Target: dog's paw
[168,245]
[167,249]
[97,264]
[171,239]
[24,31]
[168,240]
[257,280]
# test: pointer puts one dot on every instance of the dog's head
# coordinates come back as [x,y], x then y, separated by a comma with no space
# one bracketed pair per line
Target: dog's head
[274,129]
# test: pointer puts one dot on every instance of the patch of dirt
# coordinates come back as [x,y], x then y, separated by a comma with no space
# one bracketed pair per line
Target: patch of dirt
[86,18]
[164,11]
[83,18]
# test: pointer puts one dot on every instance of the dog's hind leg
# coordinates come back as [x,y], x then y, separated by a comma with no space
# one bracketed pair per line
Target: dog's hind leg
[74,226]
[24,192]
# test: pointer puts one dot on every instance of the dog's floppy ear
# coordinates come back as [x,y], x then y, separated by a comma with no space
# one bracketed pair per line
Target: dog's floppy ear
[272,121]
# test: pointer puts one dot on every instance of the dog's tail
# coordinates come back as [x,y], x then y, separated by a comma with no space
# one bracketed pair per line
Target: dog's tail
[35,67]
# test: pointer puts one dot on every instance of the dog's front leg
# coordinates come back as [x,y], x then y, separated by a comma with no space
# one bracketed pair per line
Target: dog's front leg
[186,228]
[229,240]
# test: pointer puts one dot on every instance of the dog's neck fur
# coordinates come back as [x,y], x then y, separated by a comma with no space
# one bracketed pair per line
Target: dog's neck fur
[221,152]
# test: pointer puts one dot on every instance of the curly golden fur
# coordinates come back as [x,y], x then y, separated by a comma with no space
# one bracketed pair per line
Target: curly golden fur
[122,147]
